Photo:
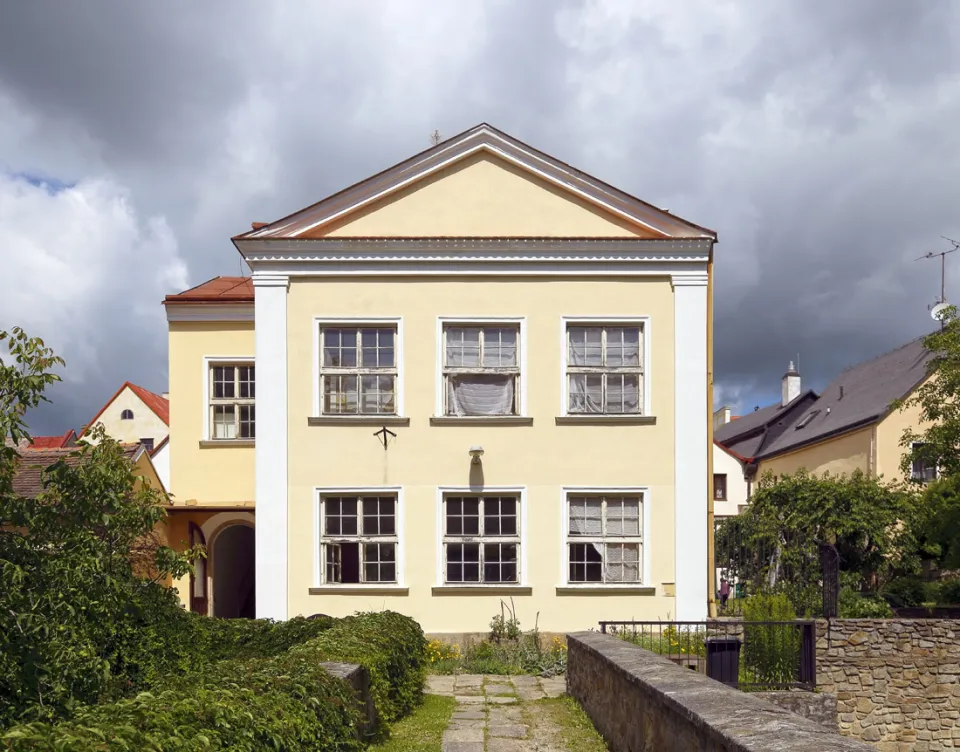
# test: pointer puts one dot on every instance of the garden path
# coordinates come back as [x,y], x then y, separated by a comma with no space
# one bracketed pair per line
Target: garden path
[499,713]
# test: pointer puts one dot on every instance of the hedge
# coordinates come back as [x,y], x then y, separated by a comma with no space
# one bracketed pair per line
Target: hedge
[286,701]
[257,638]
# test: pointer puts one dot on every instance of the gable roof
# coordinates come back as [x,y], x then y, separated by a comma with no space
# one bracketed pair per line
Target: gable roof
[160,406]
[216,290]
[39,443]
[751,434]
[859,396]
[28,477]
[482,137]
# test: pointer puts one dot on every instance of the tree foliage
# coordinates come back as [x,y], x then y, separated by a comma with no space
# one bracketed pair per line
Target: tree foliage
[936,399]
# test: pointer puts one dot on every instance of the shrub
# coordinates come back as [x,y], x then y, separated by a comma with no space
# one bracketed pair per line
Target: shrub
[949,593]
[853,605]
[771,653]
[257,638]
[904,592]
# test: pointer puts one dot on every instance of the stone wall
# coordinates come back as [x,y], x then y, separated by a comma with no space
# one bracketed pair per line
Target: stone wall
[896,680]
[639,700]
[820,707]
[359,680]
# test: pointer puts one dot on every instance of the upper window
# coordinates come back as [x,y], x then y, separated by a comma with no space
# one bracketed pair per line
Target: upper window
[605,539]
[147,444]
[358,541]
[481,369]
[605,369]
[232,401]
[126,415]
[921,470]
[481,540]
[719,486]
[358,370]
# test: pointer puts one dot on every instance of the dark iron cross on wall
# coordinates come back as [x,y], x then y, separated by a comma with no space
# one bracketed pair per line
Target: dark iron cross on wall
[384,435]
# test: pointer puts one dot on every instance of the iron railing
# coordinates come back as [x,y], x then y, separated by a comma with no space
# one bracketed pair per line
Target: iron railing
[749,655]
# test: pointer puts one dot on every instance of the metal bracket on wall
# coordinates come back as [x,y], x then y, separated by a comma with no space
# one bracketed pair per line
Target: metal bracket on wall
[384,435]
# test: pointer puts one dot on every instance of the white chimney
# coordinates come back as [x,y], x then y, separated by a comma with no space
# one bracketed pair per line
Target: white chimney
[721,417]
[790,389]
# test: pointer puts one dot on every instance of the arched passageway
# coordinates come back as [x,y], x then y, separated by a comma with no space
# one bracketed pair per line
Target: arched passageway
[233,569]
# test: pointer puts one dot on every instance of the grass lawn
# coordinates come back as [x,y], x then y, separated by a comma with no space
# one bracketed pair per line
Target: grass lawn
[422,730]
[576,727]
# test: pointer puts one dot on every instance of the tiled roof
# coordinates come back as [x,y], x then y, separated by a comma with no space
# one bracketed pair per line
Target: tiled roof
[753,433]
[860,395]
[28,480]
[38,443]
[159,405]
[216,290]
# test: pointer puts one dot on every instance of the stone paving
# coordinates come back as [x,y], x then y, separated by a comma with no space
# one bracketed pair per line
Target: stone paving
[489,716]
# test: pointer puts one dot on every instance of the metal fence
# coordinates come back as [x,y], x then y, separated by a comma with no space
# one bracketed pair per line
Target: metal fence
[748,655]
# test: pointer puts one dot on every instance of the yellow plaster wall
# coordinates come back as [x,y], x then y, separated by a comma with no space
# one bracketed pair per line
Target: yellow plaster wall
[840,456]
[889,432]
[207,474]
[482,195]
[145,423]
[543,457]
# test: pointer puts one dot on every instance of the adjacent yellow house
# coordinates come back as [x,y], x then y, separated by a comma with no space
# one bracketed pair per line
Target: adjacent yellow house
[478,375]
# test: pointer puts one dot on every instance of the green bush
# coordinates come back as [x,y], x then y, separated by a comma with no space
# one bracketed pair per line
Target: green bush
[257,638]
[853,605]
[949,593]
[904,592]
[389,645]
[771,653]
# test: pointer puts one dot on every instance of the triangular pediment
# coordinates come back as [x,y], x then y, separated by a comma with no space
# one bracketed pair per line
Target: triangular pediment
[481,183]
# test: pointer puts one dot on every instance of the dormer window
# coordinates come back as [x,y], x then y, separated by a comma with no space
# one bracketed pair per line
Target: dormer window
[126,415]
[807,419]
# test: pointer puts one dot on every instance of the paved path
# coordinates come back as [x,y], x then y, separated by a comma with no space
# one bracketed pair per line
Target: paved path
[490,715]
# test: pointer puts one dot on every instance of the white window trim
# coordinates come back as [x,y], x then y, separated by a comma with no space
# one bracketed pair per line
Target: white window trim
[209,361]
[382,321]
[566,493]
[521,492]
[936,470]
[642,321]
[321,491]
[520,321]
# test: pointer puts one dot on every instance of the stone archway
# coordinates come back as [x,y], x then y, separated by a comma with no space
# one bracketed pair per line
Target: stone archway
[233,570]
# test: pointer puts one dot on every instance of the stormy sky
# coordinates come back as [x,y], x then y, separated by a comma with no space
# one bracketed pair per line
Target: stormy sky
[819,138]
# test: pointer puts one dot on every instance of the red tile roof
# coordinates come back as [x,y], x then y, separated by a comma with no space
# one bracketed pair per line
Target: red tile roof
[53,442]
[159,405]
[216,290]
[28,478]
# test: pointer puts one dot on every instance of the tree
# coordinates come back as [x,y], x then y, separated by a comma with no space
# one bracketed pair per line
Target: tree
[938,444]
[75,620]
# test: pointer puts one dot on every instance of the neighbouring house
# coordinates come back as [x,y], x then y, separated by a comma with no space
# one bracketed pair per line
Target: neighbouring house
[38,443]
[476,376]
[849,426]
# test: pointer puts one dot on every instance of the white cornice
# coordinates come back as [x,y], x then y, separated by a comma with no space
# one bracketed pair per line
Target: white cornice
[210,312]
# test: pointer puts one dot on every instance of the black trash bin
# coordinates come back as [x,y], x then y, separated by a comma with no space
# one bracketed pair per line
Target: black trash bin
[723,659]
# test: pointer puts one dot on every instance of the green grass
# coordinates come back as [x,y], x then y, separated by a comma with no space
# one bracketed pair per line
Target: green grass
[578,730]
[422,730]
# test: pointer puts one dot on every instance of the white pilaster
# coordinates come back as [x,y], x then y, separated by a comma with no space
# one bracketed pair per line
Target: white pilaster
[692,413]
[270,312]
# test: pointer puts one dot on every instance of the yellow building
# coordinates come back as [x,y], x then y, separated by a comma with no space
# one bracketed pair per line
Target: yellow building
[850,426]
[481,374]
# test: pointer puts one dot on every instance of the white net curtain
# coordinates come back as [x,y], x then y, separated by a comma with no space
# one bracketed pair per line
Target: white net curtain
[621,561]
[482,370]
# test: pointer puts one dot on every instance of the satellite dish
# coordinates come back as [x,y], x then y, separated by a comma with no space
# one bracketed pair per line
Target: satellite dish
[936,313]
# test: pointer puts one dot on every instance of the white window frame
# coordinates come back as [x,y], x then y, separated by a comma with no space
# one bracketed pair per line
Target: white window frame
[643,322]
[645,535]
[521,493]
[481,321]
[209,361]
[318,537]
[913,477]
[383,322]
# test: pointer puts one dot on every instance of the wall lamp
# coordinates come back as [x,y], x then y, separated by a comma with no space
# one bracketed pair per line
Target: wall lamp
[476,452]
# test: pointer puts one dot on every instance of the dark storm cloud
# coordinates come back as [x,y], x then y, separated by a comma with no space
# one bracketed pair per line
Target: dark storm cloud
[816,137]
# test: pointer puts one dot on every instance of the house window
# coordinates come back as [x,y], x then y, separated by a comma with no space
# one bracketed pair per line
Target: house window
[358,370]
[147,444]
[481,540]
[358,542]
[605,369]
[126,415]
[720,487]
[232,401]
[481,369]
[605,539]
[921,470]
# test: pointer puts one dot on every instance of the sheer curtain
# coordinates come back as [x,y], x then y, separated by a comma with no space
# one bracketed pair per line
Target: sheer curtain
[480,394]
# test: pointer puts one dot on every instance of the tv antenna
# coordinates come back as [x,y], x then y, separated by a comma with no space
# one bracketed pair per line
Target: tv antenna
[936,310]
[435,138]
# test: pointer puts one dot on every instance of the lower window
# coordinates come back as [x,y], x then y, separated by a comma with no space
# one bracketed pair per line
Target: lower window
[481,540]
[605,539]
[358,539]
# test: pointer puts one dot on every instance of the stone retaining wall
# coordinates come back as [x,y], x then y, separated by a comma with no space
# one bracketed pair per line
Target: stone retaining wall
[639,700]
[359,680]
[897,681]
[820,707]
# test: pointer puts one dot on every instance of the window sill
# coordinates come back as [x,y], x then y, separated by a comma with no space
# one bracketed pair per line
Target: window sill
[481,590]
[480,420]
[223,443]
[606,590]
[606,420]
[358,420]
[360,590]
